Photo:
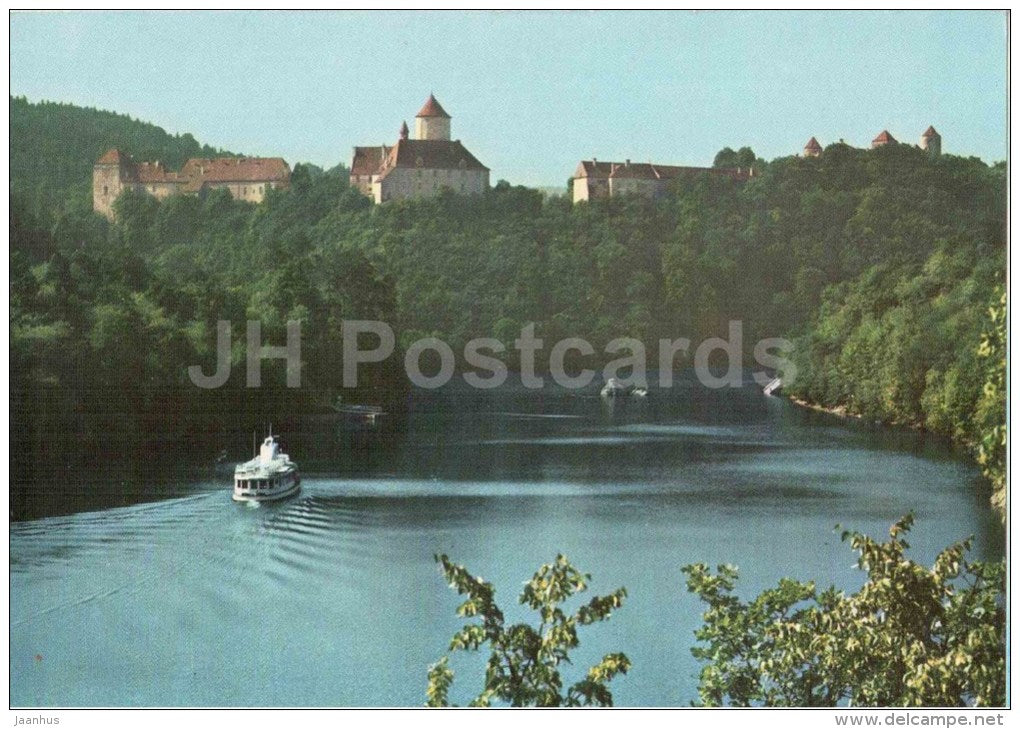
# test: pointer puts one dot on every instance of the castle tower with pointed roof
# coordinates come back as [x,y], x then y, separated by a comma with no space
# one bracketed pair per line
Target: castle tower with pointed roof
[883,138]
[812,148]
[108,175]
[931,142]
[421,167]
[432,122]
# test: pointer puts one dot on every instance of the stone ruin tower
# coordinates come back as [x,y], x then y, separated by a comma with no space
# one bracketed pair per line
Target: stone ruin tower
[931,142]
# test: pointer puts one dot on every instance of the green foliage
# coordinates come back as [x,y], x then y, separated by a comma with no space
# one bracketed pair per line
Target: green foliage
[744,157]
[911,344]
[54,146]
[880,263]
[990,417]
[523,668]
[911,636]
[106,319]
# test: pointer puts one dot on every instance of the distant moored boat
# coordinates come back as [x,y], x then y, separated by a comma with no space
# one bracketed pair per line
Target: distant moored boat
[367,414]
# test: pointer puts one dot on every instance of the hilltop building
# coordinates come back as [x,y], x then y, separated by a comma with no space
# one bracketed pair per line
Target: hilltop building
[883,138]
[931,142]
[593,179]
[246,178]
[812,148]
[419,167]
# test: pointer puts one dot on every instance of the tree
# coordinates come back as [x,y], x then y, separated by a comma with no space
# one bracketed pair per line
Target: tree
[991,410]
[726,157]
[524,662]
[881,263]
[911,636]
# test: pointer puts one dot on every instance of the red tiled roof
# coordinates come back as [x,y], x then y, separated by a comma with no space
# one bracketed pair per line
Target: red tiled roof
[431,154]
[113,157]
[930,132]
[237,169]
[594,168]
[367,160]
[671,172]
[432,108]
[813,145]
[151,172]
[196,171]
[651,171]
[884,136]
[637,170]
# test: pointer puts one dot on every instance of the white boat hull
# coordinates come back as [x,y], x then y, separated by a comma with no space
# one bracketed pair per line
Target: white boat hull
[293,489]
[269,476]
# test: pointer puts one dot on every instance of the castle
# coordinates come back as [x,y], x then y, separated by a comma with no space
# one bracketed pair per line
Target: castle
[246,178]
[419,167]
[931,142]
[411,168]
[593,179]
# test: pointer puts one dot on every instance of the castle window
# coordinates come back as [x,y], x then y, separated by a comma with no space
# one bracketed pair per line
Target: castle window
[106,190]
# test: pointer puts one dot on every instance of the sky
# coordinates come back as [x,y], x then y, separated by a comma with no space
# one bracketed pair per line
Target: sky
[531,93]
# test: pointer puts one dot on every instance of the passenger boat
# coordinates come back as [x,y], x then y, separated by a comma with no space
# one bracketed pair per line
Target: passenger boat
[268,476]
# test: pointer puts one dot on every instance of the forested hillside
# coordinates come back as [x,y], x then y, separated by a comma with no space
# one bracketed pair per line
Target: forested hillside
[53,148]
[881,264]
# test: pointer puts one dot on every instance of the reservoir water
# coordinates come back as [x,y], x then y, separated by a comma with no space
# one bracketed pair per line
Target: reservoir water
[332,598]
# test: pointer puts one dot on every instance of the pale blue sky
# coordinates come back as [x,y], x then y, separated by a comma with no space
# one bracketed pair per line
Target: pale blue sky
[531,93]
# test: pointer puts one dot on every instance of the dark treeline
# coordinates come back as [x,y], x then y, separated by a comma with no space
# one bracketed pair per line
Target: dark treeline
[881,265]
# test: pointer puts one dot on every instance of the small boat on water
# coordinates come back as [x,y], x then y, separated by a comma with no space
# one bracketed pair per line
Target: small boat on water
[367,414]
[615,388]
[268,476]
[773,387]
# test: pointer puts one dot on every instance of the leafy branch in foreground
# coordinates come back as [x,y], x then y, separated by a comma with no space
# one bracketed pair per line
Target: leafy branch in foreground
[912,636]
[524,662]
[991,407]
